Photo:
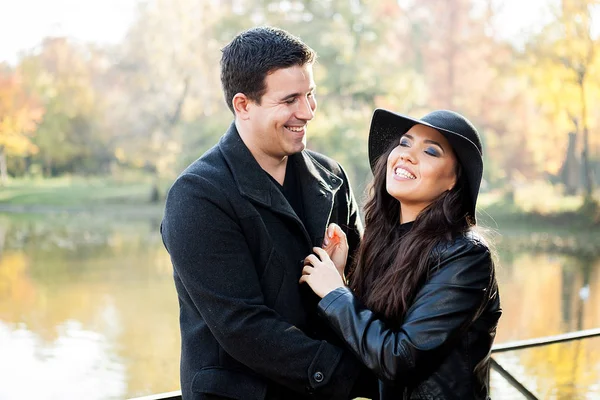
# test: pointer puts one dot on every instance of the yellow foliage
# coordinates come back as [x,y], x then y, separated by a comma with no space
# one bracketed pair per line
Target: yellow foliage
[19,116]
[120,154]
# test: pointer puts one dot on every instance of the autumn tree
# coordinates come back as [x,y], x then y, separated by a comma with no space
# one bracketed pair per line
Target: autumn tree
[563,57]
[455,59]
[353,73]
[169,66]
[20,114]
[69,136]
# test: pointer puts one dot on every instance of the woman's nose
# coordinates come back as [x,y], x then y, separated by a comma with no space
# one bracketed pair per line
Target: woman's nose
[407,156]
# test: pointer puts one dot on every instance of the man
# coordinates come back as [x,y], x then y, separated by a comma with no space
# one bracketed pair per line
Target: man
[238,223]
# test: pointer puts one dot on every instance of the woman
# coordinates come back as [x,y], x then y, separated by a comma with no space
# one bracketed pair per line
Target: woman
[422,305]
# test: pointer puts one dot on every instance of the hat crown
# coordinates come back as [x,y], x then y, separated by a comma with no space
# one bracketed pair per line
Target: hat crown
[456,123]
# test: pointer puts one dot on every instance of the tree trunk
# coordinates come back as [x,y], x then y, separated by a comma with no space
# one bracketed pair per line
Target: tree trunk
[155,191]
[47,170]
[585,162]
[3,169]
[569,174]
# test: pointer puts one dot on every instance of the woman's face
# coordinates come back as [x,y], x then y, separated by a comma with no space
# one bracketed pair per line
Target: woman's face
[420,168]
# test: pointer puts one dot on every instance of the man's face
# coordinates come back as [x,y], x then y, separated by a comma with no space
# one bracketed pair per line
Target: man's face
[278,124]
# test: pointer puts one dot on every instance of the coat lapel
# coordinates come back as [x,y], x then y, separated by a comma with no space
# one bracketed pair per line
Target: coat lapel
[318,185]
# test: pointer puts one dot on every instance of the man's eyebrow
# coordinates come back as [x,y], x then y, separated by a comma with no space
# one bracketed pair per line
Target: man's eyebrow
[292,95]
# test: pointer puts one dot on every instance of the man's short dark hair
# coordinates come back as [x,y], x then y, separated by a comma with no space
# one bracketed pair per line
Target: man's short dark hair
[253,54]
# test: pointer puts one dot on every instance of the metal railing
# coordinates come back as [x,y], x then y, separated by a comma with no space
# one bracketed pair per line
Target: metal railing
[525,344]
[499,348]
[176,395]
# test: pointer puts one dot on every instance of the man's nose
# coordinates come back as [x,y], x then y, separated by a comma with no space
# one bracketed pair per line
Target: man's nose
[306,111]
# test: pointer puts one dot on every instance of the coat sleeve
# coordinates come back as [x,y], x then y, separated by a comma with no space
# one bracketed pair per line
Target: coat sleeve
[211,258]
[442,310]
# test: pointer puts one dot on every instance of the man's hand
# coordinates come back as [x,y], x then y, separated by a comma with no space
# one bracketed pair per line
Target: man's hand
[336,246]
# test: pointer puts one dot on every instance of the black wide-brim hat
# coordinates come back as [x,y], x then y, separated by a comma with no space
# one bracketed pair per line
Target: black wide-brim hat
[387,127]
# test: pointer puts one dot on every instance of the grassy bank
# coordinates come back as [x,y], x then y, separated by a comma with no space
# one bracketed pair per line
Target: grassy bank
[539,217]
[538,204]
[77,194]
[536,207]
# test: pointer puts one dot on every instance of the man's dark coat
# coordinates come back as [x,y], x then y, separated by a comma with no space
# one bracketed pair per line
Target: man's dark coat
[249,330]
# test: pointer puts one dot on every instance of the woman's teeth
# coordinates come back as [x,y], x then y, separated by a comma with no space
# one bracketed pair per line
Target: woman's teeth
[404,173]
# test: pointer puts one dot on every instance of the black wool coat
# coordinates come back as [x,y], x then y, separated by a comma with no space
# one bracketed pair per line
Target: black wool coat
[249,330]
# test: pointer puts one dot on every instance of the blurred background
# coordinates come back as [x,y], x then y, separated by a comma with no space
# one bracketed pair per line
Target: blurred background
[104,102]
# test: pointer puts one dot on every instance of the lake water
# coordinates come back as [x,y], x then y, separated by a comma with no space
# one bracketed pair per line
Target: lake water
[88,310]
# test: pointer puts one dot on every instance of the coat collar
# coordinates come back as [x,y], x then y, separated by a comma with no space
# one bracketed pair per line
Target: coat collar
[319,185]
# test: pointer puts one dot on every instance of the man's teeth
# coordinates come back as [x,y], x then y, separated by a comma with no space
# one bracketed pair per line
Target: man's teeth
[404,173]
[295,128]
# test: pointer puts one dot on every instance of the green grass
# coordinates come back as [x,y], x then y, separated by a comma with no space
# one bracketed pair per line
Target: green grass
[539,205]
[76,194]
[74,191]
[540,217]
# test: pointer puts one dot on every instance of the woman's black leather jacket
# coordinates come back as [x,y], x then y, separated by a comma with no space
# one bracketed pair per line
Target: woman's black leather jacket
[442,348]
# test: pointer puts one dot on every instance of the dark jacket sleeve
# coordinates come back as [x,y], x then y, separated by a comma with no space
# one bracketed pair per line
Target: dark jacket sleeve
[443,309]
[211,257]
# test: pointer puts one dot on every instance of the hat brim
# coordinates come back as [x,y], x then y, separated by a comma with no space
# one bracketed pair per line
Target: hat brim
[387,127]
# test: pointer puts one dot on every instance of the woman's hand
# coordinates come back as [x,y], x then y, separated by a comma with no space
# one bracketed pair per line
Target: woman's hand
[321,273]
[336,246]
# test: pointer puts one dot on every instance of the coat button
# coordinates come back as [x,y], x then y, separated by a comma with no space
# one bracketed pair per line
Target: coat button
[318,376]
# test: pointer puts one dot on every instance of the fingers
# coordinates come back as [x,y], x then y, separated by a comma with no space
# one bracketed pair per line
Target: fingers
[334,233]
[339,232]
[331,229]
[306,271]
[311,259]
[321,253]
[330,233]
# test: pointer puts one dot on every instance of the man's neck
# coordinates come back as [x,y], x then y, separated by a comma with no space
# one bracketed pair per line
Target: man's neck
[274,166]
[276,170]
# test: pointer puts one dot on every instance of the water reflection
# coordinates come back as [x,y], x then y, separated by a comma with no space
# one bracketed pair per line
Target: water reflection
[545,295]
[77,364]
[88,310]
[75,290]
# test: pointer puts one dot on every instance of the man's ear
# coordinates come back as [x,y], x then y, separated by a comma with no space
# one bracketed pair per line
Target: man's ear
[241,105]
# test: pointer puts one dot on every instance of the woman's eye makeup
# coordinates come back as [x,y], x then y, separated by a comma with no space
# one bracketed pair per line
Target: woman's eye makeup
[432,151]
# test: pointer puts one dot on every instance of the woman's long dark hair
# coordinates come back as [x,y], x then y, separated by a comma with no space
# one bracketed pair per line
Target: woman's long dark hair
[389,269]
